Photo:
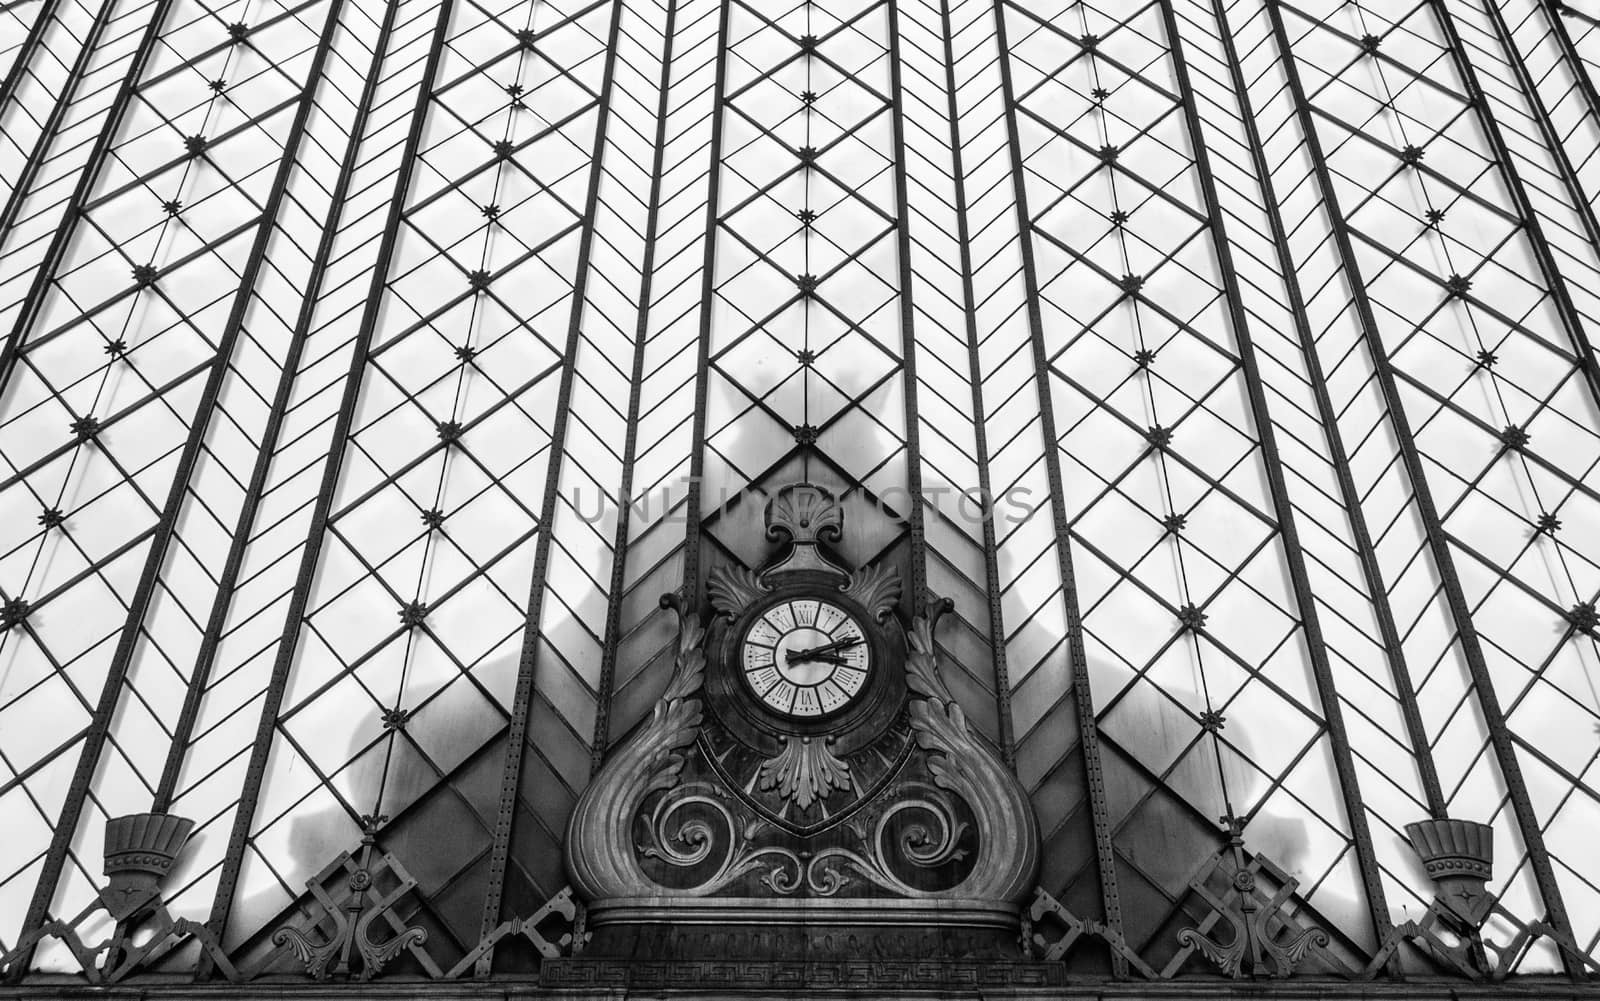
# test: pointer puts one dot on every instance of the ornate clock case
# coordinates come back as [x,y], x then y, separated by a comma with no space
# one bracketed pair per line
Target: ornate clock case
[877,825]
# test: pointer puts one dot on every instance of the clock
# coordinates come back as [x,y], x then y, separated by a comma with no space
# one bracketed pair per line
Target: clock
[805,658]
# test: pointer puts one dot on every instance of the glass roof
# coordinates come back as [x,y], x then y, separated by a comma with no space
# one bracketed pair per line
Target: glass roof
[369,368]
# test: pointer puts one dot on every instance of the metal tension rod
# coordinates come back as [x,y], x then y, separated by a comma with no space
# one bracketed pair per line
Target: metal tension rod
[692,582]
[233,564]
[619,546]
[991,559]
[295,615]
[908,318]
[1500,736]
[1294,556]
[1328,417]
[511,775]
[1082,696]
[1519,194]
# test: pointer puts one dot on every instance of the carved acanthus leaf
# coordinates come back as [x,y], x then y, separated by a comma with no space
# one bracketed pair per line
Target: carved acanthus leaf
[877,588]
[922,667]
[805,771]
[732,589]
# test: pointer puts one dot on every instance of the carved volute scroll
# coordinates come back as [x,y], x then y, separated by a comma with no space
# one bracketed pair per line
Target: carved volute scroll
[600,855]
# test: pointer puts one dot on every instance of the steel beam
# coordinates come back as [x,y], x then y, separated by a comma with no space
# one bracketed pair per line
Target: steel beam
[692,582]
[216,623]
[1555,10]
[47,135]
[511,775]
[991,560]
[24,56]
[57,249]
[301,596]
[1082,696]
[1553,140]
[908,337]
[1327,416]
[619,547]
[1519,194]
[1272,462]
[1500,736]
[166,526]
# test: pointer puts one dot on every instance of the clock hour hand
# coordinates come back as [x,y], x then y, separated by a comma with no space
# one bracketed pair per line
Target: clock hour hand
[818,652]
[828,658]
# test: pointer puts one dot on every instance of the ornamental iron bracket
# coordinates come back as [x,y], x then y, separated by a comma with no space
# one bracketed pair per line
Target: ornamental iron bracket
[1267,940]
[139,852]
[1046,912]
[1458,856]
[353,914]
[556,929]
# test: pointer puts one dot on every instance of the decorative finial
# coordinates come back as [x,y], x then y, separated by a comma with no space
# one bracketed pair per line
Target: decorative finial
[809,516]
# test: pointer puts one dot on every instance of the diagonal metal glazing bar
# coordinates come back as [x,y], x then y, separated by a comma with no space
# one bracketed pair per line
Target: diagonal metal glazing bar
[1553,140]
[228,580]
[1557,11]
[24,56]
[619,546]
[1082,696]
[692,583]
[1500,737]
[1293,554]
[1349,495]
[991,559]
[1519,193]
[522,699]
[205,409]
[295,615]
[908,340]
[8,358]
[37,292]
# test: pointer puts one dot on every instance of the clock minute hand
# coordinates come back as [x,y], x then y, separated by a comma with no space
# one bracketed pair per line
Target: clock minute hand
[848,641]
[826,648]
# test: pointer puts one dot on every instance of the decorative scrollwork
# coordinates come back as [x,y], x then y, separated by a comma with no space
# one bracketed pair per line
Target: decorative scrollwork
[921,828]
[1006,828]
[691,826]
[1254,949]
[601,859]
[353,915]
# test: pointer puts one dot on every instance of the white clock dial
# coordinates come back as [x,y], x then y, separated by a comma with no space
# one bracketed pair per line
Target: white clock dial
[805,658]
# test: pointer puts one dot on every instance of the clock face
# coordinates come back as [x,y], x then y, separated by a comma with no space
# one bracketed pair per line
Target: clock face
[805,657]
